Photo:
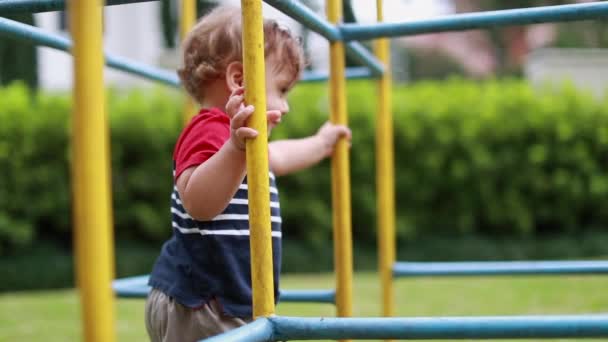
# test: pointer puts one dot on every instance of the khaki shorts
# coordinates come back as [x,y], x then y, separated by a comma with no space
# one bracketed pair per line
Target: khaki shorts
[169,321]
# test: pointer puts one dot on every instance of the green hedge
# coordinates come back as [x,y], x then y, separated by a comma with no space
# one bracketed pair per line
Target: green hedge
[29,269]
[494,158]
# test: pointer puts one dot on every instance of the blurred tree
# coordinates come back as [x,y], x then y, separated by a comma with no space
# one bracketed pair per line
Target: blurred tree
[18,60]
[305,32]
[170,16]
[435,65]
[592,34]
[510,44]
[348,15]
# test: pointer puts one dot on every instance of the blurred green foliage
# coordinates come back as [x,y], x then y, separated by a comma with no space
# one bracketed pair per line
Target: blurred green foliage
[47,265]
[495,158]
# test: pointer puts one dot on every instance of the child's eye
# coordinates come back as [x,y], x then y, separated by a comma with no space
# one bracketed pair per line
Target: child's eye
[284,91]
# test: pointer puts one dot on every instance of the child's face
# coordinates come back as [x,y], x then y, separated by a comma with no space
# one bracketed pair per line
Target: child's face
[278,85]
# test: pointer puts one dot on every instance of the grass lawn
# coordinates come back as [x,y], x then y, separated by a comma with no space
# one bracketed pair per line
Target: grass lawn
[54,315]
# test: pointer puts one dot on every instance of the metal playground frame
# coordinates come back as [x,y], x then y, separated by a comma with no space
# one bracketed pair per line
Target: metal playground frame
[90,178]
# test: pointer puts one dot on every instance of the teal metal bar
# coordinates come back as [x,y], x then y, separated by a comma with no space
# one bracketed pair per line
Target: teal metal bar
[488,268]
[35,35]
[132,287]
[297,11]
[469,21]
[37,6]
[308,296]
[137,287]
[297,328]
[305,16]
[260,330]
[351,73]
[362,55]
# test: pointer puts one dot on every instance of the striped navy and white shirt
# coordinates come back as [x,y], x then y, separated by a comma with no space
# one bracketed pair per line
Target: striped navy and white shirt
[210,259]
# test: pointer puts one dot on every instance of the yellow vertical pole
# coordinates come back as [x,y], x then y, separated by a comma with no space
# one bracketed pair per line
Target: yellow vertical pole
[257,160]
[188,14]
[340,172]
[91,174]
[385,176]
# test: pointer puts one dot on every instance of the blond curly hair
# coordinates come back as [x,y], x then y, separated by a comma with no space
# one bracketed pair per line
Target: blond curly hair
[215,42]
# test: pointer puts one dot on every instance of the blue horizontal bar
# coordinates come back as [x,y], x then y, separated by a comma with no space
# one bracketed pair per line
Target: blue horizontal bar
[260,330]
[490,268]
[308,296]
[351,73]
[37,6]
[137,287]
[33,34]
[469,21]
[305,16]
[302,14]
[361,54]
[132,287]
[296,328]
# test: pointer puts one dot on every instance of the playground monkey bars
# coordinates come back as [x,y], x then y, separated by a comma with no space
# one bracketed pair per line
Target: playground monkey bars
[93,213]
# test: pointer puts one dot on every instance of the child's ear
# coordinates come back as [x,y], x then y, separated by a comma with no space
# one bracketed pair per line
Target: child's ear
[234,75]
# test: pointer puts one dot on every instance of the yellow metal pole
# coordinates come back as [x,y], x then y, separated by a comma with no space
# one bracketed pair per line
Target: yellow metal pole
[91,174]
[257,160]
[187,22]
[385,176]
[340,171]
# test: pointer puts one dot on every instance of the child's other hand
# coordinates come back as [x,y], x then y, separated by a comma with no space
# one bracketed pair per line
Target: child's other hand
[329,134]
[239,114]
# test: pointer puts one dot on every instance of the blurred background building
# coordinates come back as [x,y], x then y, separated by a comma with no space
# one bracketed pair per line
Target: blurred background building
[147,32]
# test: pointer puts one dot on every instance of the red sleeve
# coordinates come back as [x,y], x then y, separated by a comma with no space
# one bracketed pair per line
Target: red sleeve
[202,138]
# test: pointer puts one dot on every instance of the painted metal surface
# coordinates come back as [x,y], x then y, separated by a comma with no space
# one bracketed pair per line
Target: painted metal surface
[35,35]
[489,268]
[92,209]
[362,55]
[298,328]
[308,296]
[469,21]
[137,287]
[385,174]
[93,212]
[307,17]
[351,73]
[340,173]
[260,330]
[293,8]
[302,14]
[132,287]
[257,160]
[38,6]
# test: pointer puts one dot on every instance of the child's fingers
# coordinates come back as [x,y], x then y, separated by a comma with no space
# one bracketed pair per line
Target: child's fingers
[343,131]
[234,103]
[241,117]
[246,133]
[238,91]
[346,132]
